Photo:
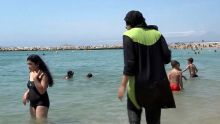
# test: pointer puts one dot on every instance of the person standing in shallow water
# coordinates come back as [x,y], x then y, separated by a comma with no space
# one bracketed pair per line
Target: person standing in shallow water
[145,53]
[39,80]
[192,68]
[175,76]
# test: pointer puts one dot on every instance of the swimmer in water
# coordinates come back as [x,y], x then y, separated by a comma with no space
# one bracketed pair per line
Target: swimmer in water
[175,76]
[89,75]
[192,68]
[69,75]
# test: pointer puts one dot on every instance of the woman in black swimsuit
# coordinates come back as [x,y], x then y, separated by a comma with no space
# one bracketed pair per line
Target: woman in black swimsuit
[39,79]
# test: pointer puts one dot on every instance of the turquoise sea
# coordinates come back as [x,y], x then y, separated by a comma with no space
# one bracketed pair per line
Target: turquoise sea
[94,101]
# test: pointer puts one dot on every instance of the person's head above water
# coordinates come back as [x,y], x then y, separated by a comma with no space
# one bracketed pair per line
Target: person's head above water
[175,64]
[35,63]
[190,60]
[89,75]
[70,74]
[136,19]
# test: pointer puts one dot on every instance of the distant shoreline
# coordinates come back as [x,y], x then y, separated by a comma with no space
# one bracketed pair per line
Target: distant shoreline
[195,45]
[177,45]
[60,48]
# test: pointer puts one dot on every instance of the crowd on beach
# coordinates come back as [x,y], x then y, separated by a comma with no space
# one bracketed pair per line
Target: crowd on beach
[197,47]
[178,45]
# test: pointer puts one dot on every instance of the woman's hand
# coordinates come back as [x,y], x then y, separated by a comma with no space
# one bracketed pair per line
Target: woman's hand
[37,75]
[122,87]
[25,98]
[121,91]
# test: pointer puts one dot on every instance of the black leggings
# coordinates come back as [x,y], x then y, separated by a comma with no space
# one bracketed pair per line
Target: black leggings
[152,114]
[195,75]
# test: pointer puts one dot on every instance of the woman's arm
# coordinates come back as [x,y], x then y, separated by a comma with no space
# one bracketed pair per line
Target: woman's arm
[129,56]
[26,92]
[122,87]
[41,85]
[25,97]
[129,64]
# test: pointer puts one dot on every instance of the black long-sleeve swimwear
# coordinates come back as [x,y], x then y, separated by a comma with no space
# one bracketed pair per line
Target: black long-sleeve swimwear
[37,99]
[145,55]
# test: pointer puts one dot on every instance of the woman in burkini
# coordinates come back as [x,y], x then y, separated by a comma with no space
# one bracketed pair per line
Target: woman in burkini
[175,76]
[39,80]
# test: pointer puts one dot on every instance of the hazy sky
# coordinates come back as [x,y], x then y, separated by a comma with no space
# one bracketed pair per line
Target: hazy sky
[85,22]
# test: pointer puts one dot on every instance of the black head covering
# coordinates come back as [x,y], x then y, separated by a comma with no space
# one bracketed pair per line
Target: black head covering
[70,73]
[134,19]
[89,75]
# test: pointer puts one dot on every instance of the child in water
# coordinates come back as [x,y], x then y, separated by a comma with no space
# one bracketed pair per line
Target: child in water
[89,75]
[181,71]
[192,68]
[175,76]
[69,75]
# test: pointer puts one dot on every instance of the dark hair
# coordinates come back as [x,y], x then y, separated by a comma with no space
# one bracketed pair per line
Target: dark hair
[190,60]
[42,66]
[89,75]
[174,63]
[134,19]
[70,73]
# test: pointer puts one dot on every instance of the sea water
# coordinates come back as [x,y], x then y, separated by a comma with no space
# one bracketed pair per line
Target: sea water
[94,101]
